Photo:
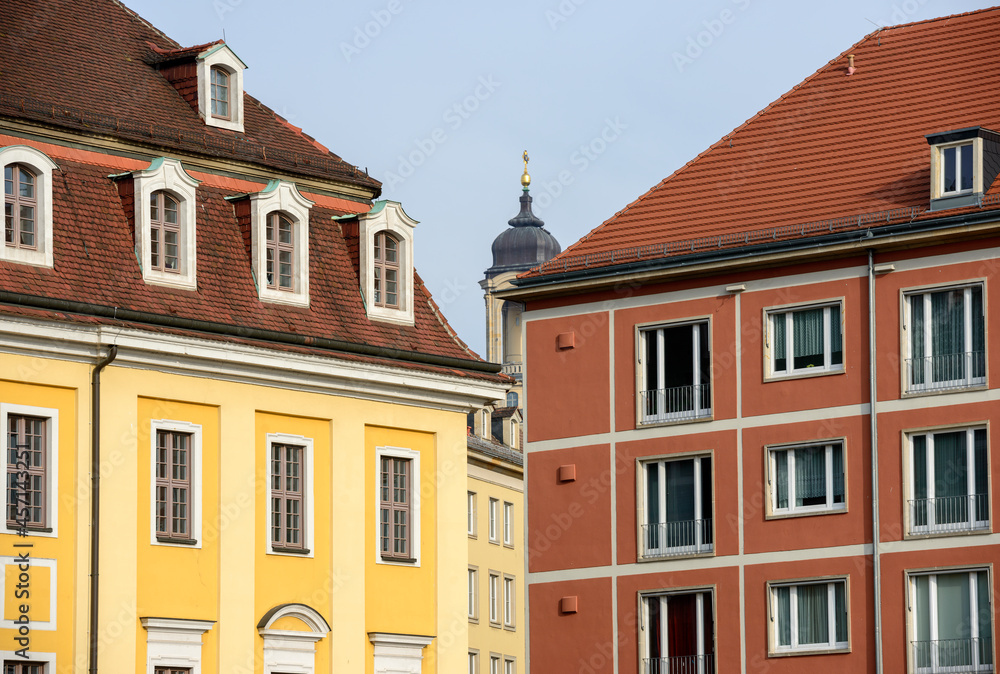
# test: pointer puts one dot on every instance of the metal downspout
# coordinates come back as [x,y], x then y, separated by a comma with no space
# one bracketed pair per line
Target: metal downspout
[95,496]
[876,555]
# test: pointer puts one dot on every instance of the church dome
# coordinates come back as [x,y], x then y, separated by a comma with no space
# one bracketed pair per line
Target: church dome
[525,244]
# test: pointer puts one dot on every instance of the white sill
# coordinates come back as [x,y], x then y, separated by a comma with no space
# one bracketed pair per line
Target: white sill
[788,514]
[805,373]
[809,651]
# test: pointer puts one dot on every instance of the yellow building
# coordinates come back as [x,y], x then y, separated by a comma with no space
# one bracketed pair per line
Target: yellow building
[234,417]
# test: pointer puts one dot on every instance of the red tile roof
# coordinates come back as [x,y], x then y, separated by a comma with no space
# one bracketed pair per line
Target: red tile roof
[834,148]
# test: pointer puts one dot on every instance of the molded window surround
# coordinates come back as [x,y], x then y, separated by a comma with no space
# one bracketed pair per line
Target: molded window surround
[223,58]
[471,515]
[473,594]
[804,340]
[306,491]
[46,662]
[809,616]
[194,504]
[283,198]
[493,506]
[291,650]
[174,642]
[169,176]
[50,449]
[412,459]
[387,217]
[806,479]
[398,653]
[41,168]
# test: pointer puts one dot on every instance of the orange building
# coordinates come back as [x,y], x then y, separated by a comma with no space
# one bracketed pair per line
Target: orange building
[719,377]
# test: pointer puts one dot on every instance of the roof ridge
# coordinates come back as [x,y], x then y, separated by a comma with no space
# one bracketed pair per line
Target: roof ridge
[940,18]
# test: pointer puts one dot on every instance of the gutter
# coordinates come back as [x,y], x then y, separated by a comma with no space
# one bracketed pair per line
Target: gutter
[95,497]
[873,403]
[214,328]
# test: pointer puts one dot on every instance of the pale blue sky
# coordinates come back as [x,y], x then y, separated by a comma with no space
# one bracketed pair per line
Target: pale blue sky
[439,99]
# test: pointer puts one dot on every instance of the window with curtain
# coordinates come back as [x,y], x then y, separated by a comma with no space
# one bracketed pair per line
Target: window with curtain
[952,625]
[809,616]
[949,481]
[675,369]
[805,340]
[806,479]
[678,633]
[677,507]
[946,339]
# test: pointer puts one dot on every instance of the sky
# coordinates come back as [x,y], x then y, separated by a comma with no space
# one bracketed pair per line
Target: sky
[438,100]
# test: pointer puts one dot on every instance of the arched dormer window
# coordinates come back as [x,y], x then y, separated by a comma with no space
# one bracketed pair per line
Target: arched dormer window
[219,92]
[279,243]
[220,87]
[386,266]
[27,188]
[164,233]
[385,234]
[280,254]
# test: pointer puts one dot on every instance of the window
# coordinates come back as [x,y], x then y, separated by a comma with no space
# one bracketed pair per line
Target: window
[220,87]
[471,514]
[949,482]
[494,596]
[12,667]
[508,601]
[27,488]
[27,191]
[474,593]
[677,507]
[174,644]
[386,271]
[951,622]
[173,670]
[165,213]
[809,616]
[394,485]
[494,664]
[287,497]
[493,519]
[678,633]
[675,364]
[220,93]
[511,398]
[806,479]
[946,339]
[509,666]
[508,524]
[473,662]
[173,486]
[957,172]
[805,341]
[279,243]
[291,650]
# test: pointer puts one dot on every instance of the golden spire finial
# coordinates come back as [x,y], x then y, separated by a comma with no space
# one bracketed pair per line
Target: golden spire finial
[525,178]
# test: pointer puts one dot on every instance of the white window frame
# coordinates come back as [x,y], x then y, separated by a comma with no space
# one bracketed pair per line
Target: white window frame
[51,470]
[509,664]
[937,168]
[473,661]
[493,593]
[223,57]
[471,512]
[308,492]
[34,658]
[644,388]
[831,646]
[495,663]
[473,594]
[700,546]
[169,176]
[292,651]
[387,216]
[42,167]
[772,479]
[398,653]
[790,371]
[703,594]
[283,197]
[928,385]
[196,504]
[509,601]
[932,528]
[508,524]
[492,519]
[174,642]
[414,458]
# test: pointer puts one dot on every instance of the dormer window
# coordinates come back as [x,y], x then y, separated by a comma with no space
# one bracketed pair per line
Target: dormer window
[220,93]
[957,170]
[27,205]
[386,258]
[386,267]
[279,243]
[220,87]
[964,164]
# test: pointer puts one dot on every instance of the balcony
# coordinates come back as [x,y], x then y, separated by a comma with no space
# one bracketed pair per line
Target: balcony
[953,656]
[946,372]
[949,514]
[674,539]
[512,369]
[681,403]
[680,664]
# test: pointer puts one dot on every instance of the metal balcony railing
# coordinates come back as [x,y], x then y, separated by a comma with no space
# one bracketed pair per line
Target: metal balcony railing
[968,512]
[671,539]
[680,403]
[680,664]
[946,372]
[953,656]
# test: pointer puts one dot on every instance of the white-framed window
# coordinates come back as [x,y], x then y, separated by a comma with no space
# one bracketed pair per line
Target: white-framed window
[495,663]
[27,189]
[494,598]
[945,338]
[290,495]
[279,243]
[398,653]
[957,169]
[30,465]
[397,497]
[675,372]
[676,497]
[509,665]
[677,631]
[806,478]
[809,616]
[175,495]
[174,643]
[220,87]
[387,284]
[494,503]
[473,593]
[473,661]
[39,663]
[292,650]
[508,524]
[471,514]
[166,224]
[948,486]
[805,340]
[950,621]
[509,599]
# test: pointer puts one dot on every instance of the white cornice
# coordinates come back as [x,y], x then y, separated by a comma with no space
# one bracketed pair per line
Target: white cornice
[240,363]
